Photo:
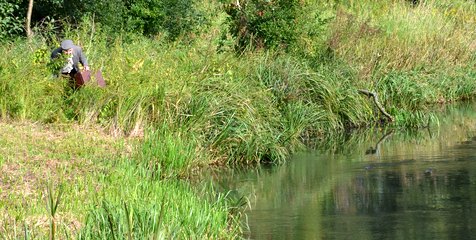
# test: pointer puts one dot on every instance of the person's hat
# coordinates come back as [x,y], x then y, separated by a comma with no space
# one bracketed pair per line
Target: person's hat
[67,44]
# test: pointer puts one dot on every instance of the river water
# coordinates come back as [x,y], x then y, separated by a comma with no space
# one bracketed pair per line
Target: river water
[375,184]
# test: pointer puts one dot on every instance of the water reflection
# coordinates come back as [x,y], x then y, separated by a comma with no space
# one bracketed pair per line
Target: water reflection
[377,184]
[376,149]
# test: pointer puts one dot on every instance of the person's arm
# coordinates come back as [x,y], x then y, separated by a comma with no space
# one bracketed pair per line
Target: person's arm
[83,60]
[55,53]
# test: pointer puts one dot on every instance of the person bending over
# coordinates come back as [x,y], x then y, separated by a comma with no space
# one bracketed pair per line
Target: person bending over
[73,56]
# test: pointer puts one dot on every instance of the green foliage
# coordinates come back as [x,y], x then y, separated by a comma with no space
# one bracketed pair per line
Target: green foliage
[191,105]
[41,56]
[110,14]
[245,124]
[157,210]
[71,11]
[248,109]
[98,190]
[171,17]
[262,23]
[27,90]
[54,65]
[276,24]
[10,24]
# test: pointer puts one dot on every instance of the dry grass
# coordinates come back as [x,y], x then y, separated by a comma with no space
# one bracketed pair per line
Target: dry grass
[32,153]
[399,37]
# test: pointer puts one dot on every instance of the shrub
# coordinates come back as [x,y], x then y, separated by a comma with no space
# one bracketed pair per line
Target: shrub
[292,25]
[172,17]
[9,23]
[263,23]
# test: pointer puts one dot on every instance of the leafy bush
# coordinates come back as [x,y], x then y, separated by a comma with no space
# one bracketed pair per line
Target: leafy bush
[9,23]
[111,14]
[264,23]
[173,17]
[293,25]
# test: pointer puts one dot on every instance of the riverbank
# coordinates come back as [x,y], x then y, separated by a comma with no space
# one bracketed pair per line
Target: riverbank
[198,102]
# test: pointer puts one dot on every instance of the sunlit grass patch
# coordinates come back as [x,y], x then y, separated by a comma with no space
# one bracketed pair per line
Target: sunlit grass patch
[75,181]
[51,149]
[34,154]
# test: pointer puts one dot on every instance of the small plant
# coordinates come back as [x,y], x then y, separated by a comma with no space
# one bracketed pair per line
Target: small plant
[52,199]
[40,56]
[26,231]
[55,64]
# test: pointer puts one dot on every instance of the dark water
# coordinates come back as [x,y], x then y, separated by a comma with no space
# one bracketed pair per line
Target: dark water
[379,184]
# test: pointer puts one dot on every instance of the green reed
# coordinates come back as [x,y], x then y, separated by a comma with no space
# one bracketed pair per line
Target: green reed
[52,200]
[148,208]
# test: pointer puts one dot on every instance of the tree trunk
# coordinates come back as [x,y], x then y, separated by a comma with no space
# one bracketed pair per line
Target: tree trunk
[29,33]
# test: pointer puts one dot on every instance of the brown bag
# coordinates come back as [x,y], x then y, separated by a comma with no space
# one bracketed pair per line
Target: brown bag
[81,78]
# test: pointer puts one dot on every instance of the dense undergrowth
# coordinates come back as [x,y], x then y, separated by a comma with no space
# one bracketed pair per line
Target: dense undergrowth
[255,106]
[197,101]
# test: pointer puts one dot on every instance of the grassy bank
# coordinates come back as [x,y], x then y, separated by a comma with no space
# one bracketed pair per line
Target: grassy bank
[196,102]
[104,190]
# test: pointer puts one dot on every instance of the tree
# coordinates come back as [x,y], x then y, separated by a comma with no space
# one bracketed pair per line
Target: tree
[172,17]
[29,33]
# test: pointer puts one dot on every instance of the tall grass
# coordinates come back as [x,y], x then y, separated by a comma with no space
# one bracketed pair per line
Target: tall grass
[239,110]
[247,109]
[27,90]
[256,106]
[431,36]
[151,209]
[167,154]
[414,56]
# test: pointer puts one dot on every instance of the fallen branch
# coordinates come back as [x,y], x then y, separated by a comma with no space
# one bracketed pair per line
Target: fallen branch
[379,106]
